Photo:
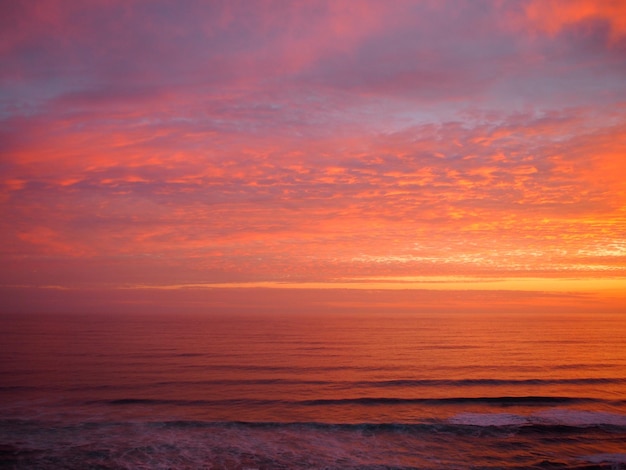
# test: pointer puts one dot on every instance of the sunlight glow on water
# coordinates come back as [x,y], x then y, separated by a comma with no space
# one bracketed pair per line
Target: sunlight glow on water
[428,390]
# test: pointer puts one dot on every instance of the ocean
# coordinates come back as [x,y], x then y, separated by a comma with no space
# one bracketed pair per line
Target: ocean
[446,391]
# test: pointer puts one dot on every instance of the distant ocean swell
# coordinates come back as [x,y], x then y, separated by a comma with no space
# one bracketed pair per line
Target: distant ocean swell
[367,401]
[408,383]
[402,383]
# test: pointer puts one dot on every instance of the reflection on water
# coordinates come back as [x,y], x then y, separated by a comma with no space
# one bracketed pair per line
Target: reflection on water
[398,379]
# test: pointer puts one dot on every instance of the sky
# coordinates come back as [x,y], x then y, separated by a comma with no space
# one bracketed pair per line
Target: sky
[444,155]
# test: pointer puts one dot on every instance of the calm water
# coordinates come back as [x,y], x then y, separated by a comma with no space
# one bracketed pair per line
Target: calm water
[427,392]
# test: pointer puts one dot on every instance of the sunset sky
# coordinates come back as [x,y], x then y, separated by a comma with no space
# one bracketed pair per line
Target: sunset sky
[459,155]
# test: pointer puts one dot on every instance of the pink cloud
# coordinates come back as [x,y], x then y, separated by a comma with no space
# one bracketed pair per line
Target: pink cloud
[313,141]
[552,16]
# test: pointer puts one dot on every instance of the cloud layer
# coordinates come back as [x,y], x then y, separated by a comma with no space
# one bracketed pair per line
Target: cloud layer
[166,143]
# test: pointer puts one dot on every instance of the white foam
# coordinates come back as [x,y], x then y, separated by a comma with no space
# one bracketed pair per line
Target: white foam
[568,417]
[599,458]
[552,417]
[489,419]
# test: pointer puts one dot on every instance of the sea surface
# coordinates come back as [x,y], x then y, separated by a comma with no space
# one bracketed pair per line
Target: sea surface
[313,392]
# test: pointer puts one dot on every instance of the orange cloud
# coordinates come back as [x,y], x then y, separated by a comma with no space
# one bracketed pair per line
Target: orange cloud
[552,16]
[312,142]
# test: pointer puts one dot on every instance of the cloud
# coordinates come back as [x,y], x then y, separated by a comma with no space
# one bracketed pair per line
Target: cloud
[451,189]
[553,16]
[310,141]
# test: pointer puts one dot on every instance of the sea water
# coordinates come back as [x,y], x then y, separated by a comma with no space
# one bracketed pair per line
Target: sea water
[313,391]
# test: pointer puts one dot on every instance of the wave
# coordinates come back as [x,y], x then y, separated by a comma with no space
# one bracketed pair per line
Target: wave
[561,419]
[540,442]
[551,418]
[18,388]
[491,382]
[405,383]
[272,381]
[502,401]
[336,385]
[178,402]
